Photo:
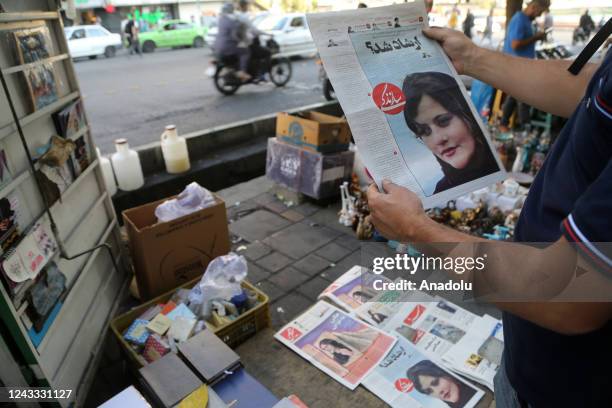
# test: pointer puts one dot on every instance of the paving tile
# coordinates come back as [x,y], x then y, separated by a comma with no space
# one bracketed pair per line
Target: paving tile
[258,225]
[313,288]
[333,273]
[311,264]
[273,291]
[287,308]
[333,252]
[274,262]
[256,274]
[349,241]
[307,209]
[264,198]
[235,212]
[288,279]
[276,206]
[329,217]
[300,239]
[292,215]
[256,250]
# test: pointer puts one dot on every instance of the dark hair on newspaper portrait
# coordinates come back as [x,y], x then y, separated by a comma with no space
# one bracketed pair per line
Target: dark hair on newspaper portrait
[439,116]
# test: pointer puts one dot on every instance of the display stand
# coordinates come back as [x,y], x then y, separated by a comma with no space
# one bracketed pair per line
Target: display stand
[84,216]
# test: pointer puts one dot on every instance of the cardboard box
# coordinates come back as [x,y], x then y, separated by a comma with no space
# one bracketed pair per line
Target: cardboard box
[313,174]
[170,254]
[314,131]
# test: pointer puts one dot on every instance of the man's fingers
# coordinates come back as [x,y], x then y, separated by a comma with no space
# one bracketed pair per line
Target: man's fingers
[435,33]
[373,192]
[389,186]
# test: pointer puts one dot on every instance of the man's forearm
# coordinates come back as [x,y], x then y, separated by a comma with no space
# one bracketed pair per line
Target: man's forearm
[517,44]
[544,84]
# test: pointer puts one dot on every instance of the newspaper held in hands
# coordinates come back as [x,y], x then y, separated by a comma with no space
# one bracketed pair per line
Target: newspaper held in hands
[344,348]
[409,113]
[408,379]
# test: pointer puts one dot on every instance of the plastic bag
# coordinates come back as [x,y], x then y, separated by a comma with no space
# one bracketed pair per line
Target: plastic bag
[193,198]
[220,282]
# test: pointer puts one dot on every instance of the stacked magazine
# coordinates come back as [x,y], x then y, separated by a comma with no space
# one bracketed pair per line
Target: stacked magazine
[406,347]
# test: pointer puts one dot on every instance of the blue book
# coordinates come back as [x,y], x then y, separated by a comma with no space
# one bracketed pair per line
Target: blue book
[245,390]
[37,337]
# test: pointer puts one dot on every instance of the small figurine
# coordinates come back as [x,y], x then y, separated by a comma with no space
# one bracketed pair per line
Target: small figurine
[347,213]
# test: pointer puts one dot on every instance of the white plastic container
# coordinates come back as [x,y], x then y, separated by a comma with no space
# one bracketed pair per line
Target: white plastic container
[174,149]
[107,173]
[127,166]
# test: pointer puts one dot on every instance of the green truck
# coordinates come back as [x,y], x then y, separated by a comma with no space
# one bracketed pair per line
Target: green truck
[173,33]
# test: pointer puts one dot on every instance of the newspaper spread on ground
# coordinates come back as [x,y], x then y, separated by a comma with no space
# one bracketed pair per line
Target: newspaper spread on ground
[409,113]
[434,327]
[336,343]
[353,289]
[406,378]
[478,354]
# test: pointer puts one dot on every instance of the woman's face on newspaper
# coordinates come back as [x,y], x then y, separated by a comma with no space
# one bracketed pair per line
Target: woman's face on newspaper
[446,135]
[442,388]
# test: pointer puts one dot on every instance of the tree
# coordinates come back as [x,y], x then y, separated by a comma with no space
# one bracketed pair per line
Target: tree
[512,6]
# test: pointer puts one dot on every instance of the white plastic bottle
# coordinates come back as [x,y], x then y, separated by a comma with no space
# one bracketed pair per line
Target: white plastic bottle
[107,173]
[127,166]
[174,149]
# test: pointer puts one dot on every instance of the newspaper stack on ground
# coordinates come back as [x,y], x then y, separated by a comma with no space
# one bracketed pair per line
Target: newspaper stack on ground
[478,354]
[343,347]
[466,343]
[407,108]
[407,378]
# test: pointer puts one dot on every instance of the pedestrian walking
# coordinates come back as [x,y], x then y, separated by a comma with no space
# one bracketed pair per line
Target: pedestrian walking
[468,24]
[131,32]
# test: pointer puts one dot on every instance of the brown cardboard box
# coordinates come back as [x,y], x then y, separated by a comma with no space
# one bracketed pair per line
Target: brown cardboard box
[314,131]
[170,254]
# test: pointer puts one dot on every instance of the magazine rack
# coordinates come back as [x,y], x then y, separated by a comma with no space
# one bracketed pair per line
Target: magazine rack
[67,355]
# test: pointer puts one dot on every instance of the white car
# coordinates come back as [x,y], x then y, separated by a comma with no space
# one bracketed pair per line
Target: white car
[91,41]
[290,31]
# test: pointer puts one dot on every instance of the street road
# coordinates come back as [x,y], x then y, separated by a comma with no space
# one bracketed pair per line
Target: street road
[133,97]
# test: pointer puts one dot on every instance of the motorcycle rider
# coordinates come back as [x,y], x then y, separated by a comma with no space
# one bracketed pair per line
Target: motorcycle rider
[228,41]
[251,36]
[586,23]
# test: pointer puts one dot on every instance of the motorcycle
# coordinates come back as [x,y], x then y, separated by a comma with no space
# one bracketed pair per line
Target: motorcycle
[276,67]
[328,89]
[580,35]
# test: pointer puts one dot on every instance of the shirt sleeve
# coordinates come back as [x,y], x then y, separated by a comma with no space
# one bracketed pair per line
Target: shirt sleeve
[590,223]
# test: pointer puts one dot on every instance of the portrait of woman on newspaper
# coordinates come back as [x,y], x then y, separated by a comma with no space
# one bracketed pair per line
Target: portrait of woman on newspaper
[439,116]
[429,379]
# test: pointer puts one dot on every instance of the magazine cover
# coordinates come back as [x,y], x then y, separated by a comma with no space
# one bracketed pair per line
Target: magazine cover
[42,85]
[32,44]
[406,378]
[5,174]
[8,222]
[341,346]
[70,120]
[80,157]
[409,113]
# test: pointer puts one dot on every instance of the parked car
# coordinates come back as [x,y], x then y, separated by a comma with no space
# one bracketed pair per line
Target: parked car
[173,33]
[291,32]
[91,41]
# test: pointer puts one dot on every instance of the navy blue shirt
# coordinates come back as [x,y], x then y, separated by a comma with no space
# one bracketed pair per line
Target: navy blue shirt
[520,28]
[571,196]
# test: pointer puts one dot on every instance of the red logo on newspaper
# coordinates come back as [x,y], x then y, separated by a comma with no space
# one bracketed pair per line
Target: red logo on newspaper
[389,98]
[414,314]
[291,333]
[404,385]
